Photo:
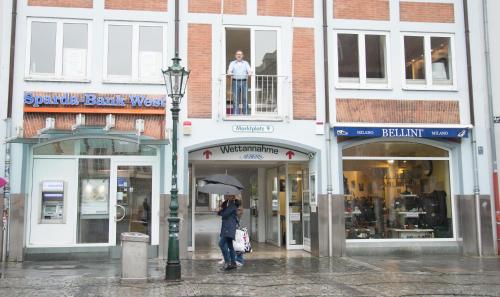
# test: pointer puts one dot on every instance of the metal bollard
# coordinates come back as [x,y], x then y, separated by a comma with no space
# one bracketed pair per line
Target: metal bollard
[134,257]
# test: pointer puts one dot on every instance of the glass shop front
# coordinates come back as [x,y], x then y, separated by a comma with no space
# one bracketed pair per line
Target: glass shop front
[88,190]
[397,190]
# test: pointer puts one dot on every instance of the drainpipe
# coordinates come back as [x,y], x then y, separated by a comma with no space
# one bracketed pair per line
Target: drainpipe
[329,187]
[492,123]
[6,191]
[473,134]
[176,20]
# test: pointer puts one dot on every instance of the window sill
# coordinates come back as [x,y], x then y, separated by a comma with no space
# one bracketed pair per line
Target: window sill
[56,79]
[258,118]
[132,82]
[363,87]
[430,88]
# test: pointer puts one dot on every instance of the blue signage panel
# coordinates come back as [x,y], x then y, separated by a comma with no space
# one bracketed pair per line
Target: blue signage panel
[391,132]
[91,99]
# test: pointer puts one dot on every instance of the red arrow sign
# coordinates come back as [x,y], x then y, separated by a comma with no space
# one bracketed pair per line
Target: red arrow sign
[207,154]
[290,154]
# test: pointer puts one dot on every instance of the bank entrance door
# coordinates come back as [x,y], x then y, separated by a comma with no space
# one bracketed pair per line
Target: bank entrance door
[135,201]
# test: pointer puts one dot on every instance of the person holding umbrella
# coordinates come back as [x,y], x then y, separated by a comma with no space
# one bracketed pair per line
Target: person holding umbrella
[228,212]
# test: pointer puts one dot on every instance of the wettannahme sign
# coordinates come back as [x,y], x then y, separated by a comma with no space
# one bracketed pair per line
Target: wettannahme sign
[249,152]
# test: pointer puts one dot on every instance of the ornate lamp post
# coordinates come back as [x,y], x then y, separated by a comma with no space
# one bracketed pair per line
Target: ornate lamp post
[176,78]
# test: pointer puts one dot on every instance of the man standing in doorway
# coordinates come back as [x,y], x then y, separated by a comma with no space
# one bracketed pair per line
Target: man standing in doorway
[239,70]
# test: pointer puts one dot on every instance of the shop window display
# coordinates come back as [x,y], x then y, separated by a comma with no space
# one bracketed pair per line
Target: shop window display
[400,198]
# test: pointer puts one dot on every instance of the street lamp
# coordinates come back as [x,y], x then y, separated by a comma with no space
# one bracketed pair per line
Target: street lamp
[176,78]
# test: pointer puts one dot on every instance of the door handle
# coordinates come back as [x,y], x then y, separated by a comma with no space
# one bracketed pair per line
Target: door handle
[124,213]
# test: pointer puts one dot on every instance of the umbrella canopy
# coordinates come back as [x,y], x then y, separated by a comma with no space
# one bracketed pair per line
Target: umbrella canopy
[224,179]
[3,182]
[219,189]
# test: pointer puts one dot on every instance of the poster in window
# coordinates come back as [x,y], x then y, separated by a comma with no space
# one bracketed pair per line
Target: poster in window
[74,62]
[149,62]
[94,196]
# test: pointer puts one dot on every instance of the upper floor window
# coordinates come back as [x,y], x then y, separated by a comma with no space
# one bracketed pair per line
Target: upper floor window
[428,61]
[362,60]
[252,68]
[134,52]
[58,49]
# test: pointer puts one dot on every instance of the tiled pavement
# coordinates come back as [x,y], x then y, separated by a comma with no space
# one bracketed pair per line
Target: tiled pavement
[279,276]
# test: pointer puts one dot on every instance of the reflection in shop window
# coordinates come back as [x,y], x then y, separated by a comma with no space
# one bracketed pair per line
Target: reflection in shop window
[93,200]
[441,60]
[399,198]
[94,147]
[414,59]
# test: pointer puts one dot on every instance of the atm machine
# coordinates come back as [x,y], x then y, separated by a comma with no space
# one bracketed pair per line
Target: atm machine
[52,208]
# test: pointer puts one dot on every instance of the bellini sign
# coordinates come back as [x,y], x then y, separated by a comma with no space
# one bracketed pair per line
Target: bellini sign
[93,103]
[392,132]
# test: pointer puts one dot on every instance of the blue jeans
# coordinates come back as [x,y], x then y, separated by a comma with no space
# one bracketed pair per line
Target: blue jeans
[239,258]
[239,89]
[226,247]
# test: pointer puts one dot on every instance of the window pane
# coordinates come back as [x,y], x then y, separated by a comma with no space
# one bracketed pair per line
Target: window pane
[120,50]
[441,60]
[415,58]
[150,52]
[375,56]
[75,50]
[400,199]
[266,69]
[95,147]
[394,149]
[348,55]
[238,96]
[43,47]
[93,200]
[265,53]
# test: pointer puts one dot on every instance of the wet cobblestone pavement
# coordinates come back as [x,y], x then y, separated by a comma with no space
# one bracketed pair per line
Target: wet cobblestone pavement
[380,276]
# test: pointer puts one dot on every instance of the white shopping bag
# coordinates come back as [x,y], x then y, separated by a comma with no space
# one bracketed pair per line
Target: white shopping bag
[239,241]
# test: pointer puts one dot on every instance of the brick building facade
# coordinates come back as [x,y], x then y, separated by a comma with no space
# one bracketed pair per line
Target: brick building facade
[394,136]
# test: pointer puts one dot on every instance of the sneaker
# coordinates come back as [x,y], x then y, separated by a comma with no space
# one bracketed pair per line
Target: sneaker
[239,264]
[221,262]
[230,266]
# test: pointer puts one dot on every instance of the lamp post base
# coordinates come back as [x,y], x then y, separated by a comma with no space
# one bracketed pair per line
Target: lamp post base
[173,272]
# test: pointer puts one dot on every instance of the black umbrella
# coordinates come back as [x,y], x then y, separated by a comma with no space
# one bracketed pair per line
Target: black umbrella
[224,179]
[222,189]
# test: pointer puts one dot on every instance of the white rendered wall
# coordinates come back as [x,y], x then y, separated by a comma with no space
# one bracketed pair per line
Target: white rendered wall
[5,18]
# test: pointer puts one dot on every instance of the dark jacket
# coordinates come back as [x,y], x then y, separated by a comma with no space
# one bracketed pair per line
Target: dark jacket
[229,220]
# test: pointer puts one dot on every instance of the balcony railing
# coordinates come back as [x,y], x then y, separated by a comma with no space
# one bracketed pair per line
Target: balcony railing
[252,96]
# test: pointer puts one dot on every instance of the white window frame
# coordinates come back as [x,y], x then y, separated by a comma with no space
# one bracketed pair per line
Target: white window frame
[134,78]
[279,101]
[364,82]
[58,74]
[429,84]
